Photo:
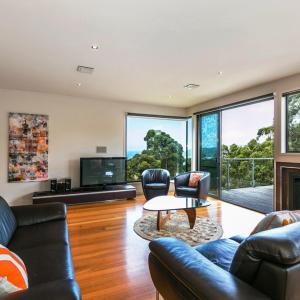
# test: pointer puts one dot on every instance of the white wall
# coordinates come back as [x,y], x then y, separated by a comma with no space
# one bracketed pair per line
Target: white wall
[76,127]
[278,87]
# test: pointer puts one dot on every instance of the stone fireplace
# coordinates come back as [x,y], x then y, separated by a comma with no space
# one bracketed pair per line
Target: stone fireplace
[287,186]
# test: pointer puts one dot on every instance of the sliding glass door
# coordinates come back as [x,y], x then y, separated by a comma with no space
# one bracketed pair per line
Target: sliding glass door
[235,144]
[209,148]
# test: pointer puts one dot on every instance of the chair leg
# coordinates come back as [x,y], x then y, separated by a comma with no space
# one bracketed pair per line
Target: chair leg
[157,295]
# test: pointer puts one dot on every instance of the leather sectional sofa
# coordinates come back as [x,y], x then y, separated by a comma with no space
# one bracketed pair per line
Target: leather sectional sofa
[263,266]
[39,235]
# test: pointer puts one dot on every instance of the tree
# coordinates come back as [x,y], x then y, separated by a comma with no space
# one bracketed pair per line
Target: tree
[293,122]
[162,152]
[240,171]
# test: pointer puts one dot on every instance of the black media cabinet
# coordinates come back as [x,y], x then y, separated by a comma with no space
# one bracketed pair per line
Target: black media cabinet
[86,195]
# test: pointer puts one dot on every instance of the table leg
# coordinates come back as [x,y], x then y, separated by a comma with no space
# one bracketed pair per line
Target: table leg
[191,213]
[160,220]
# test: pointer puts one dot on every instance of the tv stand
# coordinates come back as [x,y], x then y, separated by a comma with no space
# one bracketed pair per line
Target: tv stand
[86,194]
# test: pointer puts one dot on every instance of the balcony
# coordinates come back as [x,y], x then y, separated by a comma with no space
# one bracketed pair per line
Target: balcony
[248,182]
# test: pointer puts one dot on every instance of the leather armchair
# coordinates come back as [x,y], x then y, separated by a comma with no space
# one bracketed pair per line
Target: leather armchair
[263,266]
[183,189]
[155,182]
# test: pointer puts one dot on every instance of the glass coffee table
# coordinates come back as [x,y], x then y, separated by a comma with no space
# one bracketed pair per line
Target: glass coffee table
[168,203]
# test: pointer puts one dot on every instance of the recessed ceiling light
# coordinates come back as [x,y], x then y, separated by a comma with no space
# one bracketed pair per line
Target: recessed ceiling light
[191,86]
[78,84]
[95,47]
[220,73]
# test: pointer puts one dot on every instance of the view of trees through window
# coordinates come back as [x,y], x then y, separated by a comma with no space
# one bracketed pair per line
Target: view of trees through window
[155,142]
[247,146]
[293,122]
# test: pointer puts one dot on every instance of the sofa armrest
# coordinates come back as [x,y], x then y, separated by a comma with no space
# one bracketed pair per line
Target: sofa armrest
[238,238]
[196,274]
[182,179]
[54,290]
[39,213]
[203,186]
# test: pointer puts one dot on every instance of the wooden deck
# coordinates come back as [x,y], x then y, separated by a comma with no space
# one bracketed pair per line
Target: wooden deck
[258,198]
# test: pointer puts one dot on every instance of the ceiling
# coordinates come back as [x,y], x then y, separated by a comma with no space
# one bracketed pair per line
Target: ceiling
[148,49]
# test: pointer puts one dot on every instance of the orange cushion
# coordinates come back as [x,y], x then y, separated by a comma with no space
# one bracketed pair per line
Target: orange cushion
[194,179]
[13,275]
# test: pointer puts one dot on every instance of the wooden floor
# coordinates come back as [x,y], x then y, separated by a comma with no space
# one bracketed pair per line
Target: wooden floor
[111,260]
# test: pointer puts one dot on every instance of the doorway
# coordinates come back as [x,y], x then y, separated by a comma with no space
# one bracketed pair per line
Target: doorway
[236,147]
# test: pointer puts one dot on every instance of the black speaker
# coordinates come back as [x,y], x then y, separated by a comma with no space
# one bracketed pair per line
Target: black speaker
[61,187]
[68,184]
[53,185]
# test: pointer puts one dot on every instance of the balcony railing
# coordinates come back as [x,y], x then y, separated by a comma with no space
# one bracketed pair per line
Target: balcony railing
[242,172]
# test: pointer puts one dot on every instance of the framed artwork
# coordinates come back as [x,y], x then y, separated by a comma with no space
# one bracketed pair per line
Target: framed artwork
[28,147]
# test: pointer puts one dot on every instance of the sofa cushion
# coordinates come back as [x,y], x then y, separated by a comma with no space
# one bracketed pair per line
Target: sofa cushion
[13,275]
[47,263]
[55,232]
[53,290]
[279,246]
[155,186]
[277,219]
[220,252]
[186,191]
[8,223]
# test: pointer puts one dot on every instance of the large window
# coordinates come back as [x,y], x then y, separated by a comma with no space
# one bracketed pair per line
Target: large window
[293,122]
[157,142]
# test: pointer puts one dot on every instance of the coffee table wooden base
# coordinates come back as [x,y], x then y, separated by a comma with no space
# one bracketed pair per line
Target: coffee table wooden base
[191,213]
[162,220]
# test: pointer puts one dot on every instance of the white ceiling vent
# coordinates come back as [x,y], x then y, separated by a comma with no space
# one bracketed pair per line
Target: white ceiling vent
[86,70]
[191,86]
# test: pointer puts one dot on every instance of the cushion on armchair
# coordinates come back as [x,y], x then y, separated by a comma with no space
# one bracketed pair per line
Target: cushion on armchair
[194,179]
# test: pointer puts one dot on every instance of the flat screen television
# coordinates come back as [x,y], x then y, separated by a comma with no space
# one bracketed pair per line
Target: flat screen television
[101,171]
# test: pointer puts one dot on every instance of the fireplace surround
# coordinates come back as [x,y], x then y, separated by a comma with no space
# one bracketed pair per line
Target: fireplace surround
[287,186]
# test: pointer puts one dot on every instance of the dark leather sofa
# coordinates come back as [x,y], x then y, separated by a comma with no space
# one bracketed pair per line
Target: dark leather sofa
[263,266]
[183,189]
[39,235]
[155,182]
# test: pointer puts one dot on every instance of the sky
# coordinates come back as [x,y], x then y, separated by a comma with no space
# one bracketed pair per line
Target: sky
[240,125]
[138,127]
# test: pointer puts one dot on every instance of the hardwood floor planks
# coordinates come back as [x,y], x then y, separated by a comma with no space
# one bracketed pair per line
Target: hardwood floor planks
[110,260]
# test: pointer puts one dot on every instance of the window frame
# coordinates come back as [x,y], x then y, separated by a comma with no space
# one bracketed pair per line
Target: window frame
[153,116]
[285,96]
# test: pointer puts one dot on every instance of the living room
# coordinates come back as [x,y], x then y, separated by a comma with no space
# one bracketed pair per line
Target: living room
[199,115]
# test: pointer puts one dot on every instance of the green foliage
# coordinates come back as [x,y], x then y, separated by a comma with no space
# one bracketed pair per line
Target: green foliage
[240,171]
[162,152]
[293,122]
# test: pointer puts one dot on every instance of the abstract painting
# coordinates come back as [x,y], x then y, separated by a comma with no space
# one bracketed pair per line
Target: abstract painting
[28,147]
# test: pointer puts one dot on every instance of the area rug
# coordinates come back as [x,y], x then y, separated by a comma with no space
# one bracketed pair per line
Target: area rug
[205,229]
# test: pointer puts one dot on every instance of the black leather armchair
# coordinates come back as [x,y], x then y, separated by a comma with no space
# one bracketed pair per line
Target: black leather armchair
[39,235]
[263,266]
[183,189]
[155,182]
